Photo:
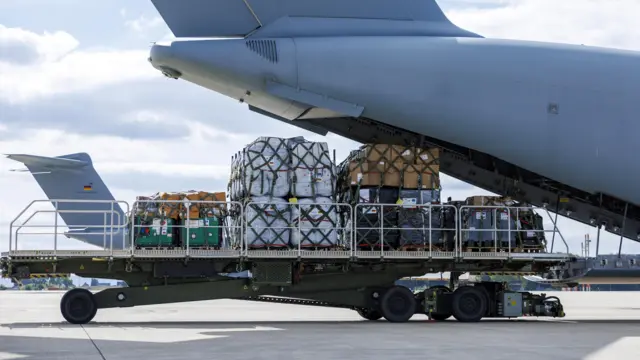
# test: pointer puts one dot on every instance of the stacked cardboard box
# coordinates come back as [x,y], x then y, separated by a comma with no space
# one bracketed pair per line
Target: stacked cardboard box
[157,219]
[413,174]
[174,208]
[405,167]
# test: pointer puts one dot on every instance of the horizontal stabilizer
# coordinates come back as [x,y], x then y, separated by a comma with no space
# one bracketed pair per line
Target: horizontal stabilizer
[239,18]
[49,163]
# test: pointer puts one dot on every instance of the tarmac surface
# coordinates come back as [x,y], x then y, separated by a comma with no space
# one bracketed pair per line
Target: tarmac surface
[599,325]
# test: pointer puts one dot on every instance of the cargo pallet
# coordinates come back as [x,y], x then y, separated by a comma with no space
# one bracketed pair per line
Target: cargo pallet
[347,277]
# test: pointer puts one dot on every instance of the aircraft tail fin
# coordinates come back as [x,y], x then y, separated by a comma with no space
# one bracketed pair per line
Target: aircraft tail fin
[278,18]
[72,177]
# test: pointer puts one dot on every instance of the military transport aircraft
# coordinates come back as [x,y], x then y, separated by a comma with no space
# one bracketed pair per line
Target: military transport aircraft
[549,124]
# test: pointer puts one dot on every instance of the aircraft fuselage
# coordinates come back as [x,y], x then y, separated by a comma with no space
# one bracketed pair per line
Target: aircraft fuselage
[566,112]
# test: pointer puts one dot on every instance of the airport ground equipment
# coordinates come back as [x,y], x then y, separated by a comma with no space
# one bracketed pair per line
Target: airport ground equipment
[345,276]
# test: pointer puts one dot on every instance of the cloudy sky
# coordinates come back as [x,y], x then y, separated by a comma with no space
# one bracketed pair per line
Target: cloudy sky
[74,78]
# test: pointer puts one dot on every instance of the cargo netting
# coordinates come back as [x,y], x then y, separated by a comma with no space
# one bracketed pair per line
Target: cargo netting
[316,223]
[268,222]
[286,172]
[313,172]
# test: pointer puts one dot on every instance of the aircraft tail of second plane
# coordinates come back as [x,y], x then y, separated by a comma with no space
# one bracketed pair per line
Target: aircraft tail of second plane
[81,198]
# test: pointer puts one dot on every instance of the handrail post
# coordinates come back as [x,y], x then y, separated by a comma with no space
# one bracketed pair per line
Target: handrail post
[430,214]
[458,232]
[353,233]
[55,230]
[104,231]
[188,207]
[381,214]
[133,228]
[509,227]
[111,229]
[299,228]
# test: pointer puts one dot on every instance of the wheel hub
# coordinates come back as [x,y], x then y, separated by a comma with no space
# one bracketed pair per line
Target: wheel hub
[469,304]
[398,305]
[78,307]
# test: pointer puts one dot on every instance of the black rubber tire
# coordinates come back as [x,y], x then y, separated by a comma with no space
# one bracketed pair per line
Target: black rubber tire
[398,304]
[369,314]
[469,304]
[78,306]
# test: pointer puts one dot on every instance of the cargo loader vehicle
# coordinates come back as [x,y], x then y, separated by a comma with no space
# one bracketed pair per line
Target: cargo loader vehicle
[344,275]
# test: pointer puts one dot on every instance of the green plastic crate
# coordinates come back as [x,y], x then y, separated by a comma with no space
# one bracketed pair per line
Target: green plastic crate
[160,233]
[200,236]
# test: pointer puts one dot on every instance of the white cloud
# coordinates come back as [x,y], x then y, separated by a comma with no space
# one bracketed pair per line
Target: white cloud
[47,47]
[198,153]
[589,22]
[142,24]
[62,67]
[74,72]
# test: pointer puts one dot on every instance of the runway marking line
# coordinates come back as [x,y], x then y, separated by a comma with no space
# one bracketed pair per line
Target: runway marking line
[94,343]
[626,347]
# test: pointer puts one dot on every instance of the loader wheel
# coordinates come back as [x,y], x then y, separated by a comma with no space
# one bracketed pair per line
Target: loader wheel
[369,314]
[469,304]
[398,304]
[78,306]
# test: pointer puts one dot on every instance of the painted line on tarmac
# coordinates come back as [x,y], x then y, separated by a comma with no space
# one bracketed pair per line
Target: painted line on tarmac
[627,347]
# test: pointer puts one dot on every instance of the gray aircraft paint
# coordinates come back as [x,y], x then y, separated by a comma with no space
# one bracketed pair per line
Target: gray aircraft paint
[566,112]
[64,178]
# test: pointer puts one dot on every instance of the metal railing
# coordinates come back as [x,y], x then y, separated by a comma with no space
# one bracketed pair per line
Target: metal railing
[72,231]
[302,230]
[508,214]
[183,209]
[292,235]
[390,223]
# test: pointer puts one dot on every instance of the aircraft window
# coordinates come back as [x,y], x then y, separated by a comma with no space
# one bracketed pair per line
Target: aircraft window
[603,262]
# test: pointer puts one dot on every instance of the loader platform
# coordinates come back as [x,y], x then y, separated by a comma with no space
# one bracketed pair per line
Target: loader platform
[344,276]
